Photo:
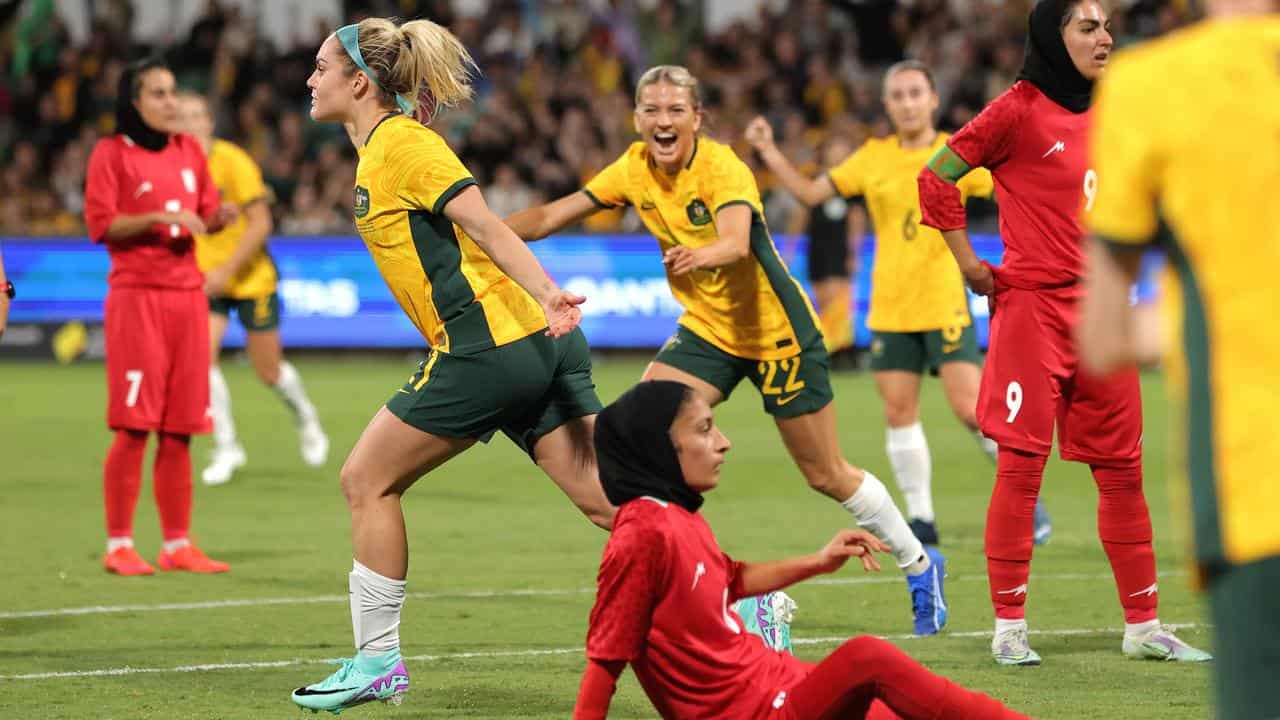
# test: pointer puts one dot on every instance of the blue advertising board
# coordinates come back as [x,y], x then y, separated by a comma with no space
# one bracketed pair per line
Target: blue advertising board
[334,297]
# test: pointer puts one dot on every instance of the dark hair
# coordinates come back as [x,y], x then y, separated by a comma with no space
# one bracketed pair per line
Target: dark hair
[912,64]
[134,72]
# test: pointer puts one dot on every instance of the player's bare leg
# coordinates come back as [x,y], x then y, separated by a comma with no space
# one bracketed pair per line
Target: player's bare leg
[227,455]
[663,371]
[567,456]
[267,357]
[908,449]
[813,443]
[387,460]
[960,381]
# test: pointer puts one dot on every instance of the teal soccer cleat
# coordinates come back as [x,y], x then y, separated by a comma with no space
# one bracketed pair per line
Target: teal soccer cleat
[360,680]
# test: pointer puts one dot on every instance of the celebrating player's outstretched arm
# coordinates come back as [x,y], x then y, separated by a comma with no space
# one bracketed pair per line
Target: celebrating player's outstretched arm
[469,211]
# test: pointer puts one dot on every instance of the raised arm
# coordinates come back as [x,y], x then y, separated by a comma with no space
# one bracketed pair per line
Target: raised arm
[760,578]
[470,212]
[538,222]
[810,191]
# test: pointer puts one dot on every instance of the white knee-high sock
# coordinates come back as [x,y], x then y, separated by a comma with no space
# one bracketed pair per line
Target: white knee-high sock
[224,428]
[987,444]
[289,388]
[875,512]
[375,610]
[909,455]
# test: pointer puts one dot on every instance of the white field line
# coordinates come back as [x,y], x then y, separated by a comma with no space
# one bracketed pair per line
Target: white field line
[472,594]
[209,667]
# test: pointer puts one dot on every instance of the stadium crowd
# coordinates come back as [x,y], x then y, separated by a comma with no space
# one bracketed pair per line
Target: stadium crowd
[554,103]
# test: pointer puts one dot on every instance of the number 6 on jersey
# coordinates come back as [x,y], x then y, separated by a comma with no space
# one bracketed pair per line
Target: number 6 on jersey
[1013,400]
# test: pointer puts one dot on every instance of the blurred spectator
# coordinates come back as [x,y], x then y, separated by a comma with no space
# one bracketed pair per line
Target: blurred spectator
[554,98]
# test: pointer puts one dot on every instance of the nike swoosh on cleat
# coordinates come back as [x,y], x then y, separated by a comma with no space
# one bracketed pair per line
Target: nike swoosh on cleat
[308,691]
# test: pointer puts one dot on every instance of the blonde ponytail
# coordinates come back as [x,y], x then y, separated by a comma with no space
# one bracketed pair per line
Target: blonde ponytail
[419,61]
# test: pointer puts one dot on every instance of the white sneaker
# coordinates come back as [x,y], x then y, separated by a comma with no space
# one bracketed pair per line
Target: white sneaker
[315,444]
[1161,644]
[1011,647]
[223,464]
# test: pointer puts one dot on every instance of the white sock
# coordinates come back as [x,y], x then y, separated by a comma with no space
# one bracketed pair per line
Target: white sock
[1002,625]
[289,388]
[1142,628]
[876,513]
[115,543]
[172,546]
[909,455]
[987,444]
[224,428]
[375,610]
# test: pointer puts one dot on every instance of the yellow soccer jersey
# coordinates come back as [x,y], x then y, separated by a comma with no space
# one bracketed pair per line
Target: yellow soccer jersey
[240,181]
[451,290]
[915,283]
[753,308]
[1186,145]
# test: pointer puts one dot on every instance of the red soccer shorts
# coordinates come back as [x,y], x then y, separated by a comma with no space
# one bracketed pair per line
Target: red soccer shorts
[157,360]
[1031,380]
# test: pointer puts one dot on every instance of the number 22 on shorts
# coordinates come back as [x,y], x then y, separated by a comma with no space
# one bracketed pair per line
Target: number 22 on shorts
[1013,400]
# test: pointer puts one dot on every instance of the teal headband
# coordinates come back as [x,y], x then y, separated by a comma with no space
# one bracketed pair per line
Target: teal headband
[349,36]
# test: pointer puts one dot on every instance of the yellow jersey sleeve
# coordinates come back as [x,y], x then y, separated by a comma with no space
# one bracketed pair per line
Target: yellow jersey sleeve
[1120,202]
[430,174]
[730,181]
[847,177]
[246,183]
[978,183]
[608,189]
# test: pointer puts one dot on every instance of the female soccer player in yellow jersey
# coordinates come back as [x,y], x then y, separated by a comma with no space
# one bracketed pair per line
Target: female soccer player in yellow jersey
[745,316]
[919,310]
[239,274]
[506,351]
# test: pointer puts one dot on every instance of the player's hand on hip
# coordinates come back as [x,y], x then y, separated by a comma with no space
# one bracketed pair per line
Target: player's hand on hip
[980,279]
[563,313]
[681,260]
[759,133]
[851,543]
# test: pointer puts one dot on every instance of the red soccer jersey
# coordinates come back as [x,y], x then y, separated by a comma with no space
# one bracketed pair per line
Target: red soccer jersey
[663,605]
[125,179]
[1036,151]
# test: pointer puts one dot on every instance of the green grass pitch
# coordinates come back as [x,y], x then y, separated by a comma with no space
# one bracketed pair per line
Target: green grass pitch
[502,566]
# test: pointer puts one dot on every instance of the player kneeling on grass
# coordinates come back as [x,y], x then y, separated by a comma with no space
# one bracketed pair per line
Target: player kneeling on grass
[665,588]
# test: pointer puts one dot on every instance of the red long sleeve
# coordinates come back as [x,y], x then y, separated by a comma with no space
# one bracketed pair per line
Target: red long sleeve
[599,681]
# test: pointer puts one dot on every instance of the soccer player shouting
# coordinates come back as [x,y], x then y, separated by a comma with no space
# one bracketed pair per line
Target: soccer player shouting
[1032,138]
[664,590]
[745,315]
[147,195]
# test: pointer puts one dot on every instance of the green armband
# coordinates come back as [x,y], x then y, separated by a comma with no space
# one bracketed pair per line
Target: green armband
[947,165]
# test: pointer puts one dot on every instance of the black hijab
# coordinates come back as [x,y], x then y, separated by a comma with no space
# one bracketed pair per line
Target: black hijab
[128,119]
[1047,65]
[634,448]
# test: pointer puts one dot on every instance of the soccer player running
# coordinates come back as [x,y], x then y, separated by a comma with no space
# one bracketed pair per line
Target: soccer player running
[506,351]
[745,315]
[240,274]
[147,195]
[665,586]
[1207,209]
[919,310]
[1032,138]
